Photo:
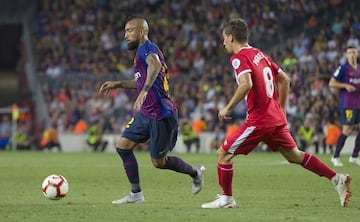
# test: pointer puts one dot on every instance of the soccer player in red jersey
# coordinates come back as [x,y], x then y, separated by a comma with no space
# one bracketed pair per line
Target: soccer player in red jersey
[265,87]
[155,119]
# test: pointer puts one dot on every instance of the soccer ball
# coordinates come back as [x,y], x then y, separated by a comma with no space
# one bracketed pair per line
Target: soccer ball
[55,187]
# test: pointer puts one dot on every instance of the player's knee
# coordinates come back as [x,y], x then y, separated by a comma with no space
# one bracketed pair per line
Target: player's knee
[293,155]
[158,163]
[223,156]
[347,131]
[220,153]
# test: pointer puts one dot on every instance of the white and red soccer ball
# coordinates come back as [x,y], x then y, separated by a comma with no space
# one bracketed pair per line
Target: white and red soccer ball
[55,187]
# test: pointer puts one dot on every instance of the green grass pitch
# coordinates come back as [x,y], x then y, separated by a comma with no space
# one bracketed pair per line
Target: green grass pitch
[266,188]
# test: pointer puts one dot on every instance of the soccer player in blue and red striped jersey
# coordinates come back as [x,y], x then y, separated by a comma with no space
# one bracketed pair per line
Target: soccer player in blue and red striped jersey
[264,86]
[156,115]
[347,79]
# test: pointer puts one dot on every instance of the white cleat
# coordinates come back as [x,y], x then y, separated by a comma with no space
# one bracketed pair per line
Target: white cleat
[131,198]
[198,181]
[222,201]
[354,160]
[336,162]
[342,186]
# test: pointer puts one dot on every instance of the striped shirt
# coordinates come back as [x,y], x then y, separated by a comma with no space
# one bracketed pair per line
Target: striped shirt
[157,104]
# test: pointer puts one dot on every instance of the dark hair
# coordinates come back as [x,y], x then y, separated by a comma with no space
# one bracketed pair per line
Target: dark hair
[131,17]
[350,47]
[238,28]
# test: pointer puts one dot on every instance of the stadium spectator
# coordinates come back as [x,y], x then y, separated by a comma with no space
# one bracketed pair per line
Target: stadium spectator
[190,137]
[50,140]
[94,137]
[81,126]
[218,138]
[155,117]
[5,132]
[347,79]
[266,118]
[306,134]
[199,125]
[23,141]
[332,133]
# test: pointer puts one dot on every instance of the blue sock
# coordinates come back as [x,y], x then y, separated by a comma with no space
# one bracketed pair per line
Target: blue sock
[339,145]
[176,164]
[131,168]
[357,146]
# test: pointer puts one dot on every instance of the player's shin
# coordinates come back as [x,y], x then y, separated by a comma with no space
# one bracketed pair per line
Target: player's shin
[131,168]
[340,144]
[225,173]
[177,164]
[312,163]
[357,146]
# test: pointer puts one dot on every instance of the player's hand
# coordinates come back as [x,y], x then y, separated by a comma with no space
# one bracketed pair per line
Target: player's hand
[350,88]
[106,87]
[140,100]
[224,114]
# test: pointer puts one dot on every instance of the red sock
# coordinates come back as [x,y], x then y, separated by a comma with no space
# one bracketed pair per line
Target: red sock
[225,175]
[315,165]
[219,175]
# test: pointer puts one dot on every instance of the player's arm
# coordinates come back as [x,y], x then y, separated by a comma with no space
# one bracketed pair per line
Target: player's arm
[245,84]
[126,84]
[340,85]
[110,85]
[283,84]
[154,67]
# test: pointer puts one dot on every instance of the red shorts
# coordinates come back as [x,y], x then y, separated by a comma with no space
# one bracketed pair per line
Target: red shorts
[246,138]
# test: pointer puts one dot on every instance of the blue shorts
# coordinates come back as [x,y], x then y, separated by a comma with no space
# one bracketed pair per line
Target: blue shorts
[162,133]
[349,116]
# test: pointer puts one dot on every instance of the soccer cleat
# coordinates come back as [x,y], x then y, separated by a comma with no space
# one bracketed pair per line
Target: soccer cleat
[354,160]
[198,181]
[342,186]
[131,198]
[222,201]
[336,161]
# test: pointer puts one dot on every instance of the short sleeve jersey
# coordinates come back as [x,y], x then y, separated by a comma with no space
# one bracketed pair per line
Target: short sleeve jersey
[157,104]
[347,74]
[263,107]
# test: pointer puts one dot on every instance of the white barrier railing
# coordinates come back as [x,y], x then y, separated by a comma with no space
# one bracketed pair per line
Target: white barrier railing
[77,143]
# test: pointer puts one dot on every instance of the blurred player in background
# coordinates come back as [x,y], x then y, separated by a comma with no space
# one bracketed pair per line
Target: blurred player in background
[155,117]
[347,79]
[256,75]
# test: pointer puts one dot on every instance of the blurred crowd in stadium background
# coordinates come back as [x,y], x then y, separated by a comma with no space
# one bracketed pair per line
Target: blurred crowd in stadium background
[80,43]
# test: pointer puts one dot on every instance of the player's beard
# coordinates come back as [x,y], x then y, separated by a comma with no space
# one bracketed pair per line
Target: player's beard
[133,44]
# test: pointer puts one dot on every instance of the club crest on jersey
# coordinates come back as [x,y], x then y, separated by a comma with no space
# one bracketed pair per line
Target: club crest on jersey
[236,63]
[137,75]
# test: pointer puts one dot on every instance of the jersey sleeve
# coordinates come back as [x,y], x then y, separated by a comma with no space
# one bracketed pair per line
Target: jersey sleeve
[339,73]
[276,69]
[147,50]
[240,65]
